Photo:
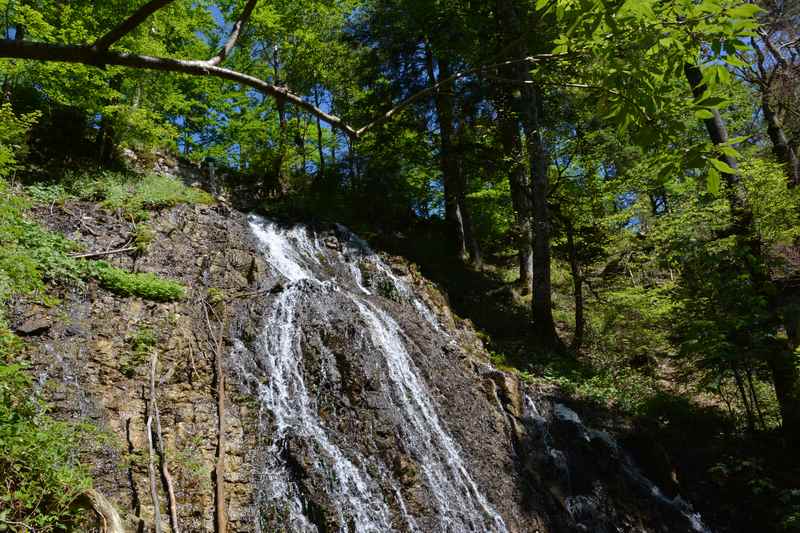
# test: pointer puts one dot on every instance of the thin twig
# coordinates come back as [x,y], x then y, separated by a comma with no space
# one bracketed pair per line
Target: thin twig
[100,254]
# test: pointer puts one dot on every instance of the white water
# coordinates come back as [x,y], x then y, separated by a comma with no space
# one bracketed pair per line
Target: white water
[360,502]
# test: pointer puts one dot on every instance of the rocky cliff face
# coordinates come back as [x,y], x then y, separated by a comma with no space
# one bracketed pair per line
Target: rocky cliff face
[355,400]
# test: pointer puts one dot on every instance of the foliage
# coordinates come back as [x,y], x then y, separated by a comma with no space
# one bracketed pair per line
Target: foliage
[141,344]
[146,285]
[41,479]
[132,194]
[13,142]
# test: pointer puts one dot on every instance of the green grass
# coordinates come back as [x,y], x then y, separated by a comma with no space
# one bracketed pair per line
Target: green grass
[132,195]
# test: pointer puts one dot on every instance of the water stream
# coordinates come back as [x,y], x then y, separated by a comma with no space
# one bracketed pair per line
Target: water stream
[362,488]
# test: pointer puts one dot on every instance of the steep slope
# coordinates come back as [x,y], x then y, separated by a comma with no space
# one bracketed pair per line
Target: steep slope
[354,400]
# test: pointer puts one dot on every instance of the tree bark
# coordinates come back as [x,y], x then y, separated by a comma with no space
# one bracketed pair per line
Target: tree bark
[784,151]
[453,215]
[519,185]
[715,125]
[577,283]
[782,361]
[542,303]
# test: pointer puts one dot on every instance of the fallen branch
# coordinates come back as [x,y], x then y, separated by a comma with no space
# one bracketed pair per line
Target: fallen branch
[150,448]
[162,451]
[90,55]
[101,254]
[219,467]
[105,510]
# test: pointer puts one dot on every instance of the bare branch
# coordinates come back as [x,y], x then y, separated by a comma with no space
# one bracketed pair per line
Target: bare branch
[131,23]
[100,254]
[235,33]
[90,56]
[774,51]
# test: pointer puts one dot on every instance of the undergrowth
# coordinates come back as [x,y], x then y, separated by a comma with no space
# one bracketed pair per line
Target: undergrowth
[40,477]
[132,195]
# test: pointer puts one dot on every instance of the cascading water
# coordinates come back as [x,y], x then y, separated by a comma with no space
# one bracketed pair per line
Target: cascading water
[363,490]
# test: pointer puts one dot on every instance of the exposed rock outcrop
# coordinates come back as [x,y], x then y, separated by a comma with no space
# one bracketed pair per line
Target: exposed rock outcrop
[354,395]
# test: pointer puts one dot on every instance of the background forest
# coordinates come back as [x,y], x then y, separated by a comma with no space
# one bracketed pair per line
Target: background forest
[607,189]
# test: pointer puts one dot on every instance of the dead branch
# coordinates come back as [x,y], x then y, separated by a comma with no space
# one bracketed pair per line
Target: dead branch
[100,254]
[150,448]
[161,449]
[89,55]
[235,33]
[105,510]
[219,467]
[129,24]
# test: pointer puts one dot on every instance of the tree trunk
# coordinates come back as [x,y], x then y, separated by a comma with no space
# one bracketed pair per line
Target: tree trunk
[519,185]
[542,304]
[780,143]
[470,238]
[782,361]
[715,125]
[786,379]
[453,213]
[577,282]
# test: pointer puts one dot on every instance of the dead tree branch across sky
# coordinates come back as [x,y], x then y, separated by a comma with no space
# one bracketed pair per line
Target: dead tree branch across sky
[100,55]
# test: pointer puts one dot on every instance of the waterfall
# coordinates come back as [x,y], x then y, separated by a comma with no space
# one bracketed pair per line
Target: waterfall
[318,287]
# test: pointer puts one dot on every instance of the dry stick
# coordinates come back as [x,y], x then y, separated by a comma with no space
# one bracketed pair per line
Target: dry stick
[112,523]
[100,254]
[219,467]
[162,452]
[151,412]
[152,472]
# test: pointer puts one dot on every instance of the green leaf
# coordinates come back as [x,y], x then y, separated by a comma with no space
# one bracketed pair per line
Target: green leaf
[713,181]
[745,11]
[734,61]
[729,151]
[712,101]
[722,166]
[703,114]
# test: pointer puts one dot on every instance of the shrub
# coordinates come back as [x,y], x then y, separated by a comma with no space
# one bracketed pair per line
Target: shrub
[133,194]
[40,478]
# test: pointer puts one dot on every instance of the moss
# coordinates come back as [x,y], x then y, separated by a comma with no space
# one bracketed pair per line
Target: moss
[141,343]
[144,285]
[216,296]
